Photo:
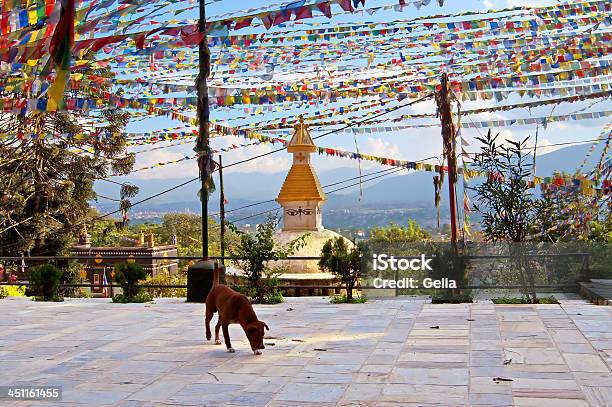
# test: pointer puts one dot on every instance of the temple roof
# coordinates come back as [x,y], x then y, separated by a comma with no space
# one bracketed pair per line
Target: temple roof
[301,140]
[301,184]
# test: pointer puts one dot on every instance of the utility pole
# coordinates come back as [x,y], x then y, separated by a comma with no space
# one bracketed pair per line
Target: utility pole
[202,145]
[222,209]
[200,275]
[448,137]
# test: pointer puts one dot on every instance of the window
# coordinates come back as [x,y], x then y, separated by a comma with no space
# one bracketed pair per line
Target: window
[96,278]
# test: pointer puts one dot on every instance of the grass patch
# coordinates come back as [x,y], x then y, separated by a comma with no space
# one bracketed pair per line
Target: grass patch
[508,300]
[454,299]
[138,298]
[341,299]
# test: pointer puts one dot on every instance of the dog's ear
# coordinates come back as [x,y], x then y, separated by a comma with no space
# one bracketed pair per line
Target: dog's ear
[266,326]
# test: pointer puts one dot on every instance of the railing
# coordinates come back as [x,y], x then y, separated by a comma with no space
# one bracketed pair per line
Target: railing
[296,290]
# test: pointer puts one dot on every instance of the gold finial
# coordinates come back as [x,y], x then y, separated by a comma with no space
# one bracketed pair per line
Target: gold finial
[301,119]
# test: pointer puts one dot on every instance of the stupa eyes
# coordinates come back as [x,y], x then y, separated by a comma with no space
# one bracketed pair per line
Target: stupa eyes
[298,212]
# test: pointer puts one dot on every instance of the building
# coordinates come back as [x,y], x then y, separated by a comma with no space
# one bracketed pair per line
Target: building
[146,253]
[302,198]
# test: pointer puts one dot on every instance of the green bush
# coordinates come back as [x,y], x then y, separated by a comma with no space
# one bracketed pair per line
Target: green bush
[166,279]
[127,275]
[510,300]
[254,252]
[452,299]
[45,281]
[83,293]
[140,297]
[274,297]
[342,299]
[268,288]
[71,274]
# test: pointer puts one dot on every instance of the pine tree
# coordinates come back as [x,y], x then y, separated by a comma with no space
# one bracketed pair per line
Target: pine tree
[49,162]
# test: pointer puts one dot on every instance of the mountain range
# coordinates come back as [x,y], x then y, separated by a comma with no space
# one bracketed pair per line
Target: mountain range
[383,192]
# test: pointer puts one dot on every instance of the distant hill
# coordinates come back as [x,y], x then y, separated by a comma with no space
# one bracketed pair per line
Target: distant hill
[391,191]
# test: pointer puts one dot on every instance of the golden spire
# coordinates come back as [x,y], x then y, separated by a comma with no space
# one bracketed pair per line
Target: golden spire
[301,183]
[301,140]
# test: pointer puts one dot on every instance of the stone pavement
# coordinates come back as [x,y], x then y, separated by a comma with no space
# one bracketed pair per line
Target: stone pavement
[397,352]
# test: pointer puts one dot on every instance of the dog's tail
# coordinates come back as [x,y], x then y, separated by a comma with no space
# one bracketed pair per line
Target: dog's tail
[216,275]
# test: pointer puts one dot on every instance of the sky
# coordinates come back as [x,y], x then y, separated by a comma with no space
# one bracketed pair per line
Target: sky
[411,144]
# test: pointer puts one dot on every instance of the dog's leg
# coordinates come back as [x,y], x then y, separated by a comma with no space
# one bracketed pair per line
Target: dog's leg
[209,315]
[217,327]
[226,336]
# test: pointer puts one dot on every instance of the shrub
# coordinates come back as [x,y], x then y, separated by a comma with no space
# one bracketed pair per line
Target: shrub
[45,281]
[83,293]
[71,274]
[127,275]
[268,288]
[140,297]
[452,299]
[342,299]
[166,279]
[510,300]
[254,252]
[344,263]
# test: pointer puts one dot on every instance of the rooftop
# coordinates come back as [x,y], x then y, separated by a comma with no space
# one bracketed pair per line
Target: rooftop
[382,353]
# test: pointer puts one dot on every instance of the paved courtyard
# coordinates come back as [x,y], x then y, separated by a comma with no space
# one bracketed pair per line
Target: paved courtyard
[399,352]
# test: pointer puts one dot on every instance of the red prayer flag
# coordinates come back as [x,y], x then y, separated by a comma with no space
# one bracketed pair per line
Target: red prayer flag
[325,8]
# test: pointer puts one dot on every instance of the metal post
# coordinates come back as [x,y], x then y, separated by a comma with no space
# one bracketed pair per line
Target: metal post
[222,209]
[448,135]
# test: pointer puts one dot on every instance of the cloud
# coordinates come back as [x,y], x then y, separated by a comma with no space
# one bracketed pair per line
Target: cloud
[544,146]
[272,163]
[381,148]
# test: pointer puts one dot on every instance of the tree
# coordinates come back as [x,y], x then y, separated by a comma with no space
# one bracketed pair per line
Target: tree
[413,232]
[572,212]
[506,203]
[344,263]
[49,162]
[188,231]
[255,251]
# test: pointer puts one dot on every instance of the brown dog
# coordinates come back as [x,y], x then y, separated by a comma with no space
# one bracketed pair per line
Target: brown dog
[234,308]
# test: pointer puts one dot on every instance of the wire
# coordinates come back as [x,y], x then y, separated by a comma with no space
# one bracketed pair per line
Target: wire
[141,201]
[333,131]
[386,172]
[557,144]
[324,186]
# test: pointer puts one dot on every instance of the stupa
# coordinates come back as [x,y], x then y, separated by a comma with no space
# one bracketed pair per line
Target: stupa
[301,198]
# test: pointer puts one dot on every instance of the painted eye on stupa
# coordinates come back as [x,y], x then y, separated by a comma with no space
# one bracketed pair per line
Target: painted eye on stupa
[300,211]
